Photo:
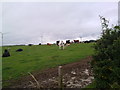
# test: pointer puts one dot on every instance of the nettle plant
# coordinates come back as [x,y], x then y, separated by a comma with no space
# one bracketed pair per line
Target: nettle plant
[106,60]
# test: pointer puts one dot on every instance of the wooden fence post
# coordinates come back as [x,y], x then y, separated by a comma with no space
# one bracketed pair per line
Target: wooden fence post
[60,77]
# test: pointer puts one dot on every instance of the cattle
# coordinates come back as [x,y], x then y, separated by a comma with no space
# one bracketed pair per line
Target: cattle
[30,44]
[19,50]
[6,53]
[86,42]
[57,43]
[76,41]
[39,43]
[67,41]
[49,44]
[61,45]
[90,41]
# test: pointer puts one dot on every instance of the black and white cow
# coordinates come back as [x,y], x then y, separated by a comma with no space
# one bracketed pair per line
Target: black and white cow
[61,45]
[57,43]
[67,43]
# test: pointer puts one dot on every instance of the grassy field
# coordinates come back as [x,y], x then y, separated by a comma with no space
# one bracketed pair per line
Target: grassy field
[35,58]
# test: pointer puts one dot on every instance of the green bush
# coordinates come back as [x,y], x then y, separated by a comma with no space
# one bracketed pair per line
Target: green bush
[106,60]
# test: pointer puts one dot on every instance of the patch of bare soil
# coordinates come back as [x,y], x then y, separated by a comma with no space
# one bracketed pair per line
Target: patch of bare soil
[75,75]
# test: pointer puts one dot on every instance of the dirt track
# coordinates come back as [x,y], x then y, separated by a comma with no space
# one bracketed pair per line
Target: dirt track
[75,75]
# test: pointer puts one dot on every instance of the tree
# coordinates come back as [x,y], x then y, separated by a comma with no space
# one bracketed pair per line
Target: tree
[106,60]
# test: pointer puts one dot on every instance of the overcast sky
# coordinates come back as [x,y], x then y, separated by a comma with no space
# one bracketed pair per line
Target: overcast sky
[33,22]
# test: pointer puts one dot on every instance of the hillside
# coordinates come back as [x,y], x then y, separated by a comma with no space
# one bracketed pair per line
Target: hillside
[34,58]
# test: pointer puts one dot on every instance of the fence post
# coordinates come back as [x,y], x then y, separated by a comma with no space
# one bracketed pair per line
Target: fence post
[60,77]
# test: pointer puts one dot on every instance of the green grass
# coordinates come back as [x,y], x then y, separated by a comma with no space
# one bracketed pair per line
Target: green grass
[35,58]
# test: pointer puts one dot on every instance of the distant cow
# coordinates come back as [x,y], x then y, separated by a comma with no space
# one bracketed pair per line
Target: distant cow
[90,41]
[49,44]
[57,43]
[76,41]
[61,45]
[67,41]
[6,53]
[39,43]
[19,50]
[30,44]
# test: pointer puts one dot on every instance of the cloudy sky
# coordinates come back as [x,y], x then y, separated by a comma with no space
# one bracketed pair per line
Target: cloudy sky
[35,22]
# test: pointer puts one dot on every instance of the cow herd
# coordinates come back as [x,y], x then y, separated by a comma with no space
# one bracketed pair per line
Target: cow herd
[60,44]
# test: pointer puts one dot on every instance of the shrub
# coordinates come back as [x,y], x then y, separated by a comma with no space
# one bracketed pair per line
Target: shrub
[106,60]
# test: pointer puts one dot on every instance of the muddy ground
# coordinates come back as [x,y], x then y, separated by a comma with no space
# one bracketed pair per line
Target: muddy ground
[75,75]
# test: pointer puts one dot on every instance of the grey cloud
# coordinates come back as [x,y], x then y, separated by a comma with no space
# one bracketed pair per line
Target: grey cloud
[27,22]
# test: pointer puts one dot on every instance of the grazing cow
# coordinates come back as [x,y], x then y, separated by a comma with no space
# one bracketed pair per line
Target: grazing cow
[6,53]
[39,43]
[90,41]
[57,43]
[19,50]
[67,41]
[61,45]
[49,44]
[30,44]
[76,41]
